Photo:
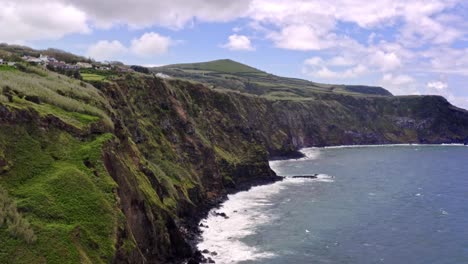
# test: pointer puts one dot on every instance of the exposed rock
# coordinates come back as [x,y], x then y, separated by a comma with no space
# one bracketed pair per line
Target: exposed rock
[306,176]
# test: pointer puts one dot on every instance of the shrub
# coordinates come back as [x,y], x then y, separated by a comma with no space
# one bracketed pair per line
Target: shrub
[17,225]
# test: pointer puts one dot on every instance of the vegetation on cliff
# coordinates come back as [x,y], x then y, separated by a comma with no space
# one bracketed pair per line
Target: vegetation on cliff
[117,171]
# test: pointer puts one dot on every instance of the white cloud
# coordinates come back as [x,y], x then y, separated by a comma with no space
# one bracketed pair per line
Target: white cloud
[317,19]
[106,50]
[438,85]
[385,61]
[238,42]
[32,20]
[173,14]
[317,68]
[341,61]
[314,61]
[399,84]
[446,60]
[302,37]
[151,44]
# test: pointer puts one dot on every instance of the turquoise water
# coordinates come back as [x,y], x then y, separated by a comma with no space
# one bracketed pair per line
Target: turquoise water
[387,204]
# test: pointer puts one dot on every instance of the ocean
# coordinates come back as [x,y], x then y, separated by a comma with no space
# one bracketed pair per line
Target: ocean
[369,204]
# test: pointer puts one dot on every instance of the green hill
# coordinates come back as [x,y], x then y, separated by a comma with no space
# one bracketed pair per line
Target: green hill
[232,75]
[225,65]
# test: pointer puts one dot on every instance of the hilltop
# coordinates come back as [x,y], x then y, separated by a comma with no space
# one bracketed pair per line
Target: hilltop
[232,75]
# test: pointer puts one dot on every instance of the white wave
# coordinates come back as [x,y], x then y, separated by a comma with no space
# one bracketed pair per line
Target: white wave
[246,210]
[310,153]
[276,165]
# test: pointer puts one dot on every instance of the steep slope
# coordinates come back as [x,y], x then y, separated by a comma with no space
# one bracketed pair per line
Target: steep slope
[232,75]
[121,173]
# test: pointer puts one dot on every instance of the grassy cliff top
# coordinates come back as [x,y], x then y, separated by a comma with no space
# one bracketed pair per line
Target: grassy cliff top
[232,75]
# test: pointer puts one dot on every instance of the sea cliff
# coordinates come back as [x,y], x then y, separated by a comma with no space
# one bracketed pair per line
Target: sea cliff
[121,171]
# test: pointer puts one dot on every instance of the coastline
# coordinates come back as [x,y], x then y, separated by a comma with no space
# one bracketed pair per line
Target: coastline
[207,207]
[192,225]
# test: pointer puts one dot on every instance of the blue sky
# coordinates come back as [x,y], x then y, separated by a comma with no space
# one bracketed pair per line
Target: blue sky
[408,47]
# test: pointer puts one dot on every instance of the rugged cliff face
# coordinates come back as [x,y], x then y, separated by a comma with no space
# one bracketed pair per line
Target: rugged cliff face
[124,181]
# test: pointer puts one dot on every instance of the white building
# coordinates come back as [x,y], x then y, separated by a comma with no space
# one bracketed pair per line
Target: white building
[31,59]
[84,65]
[1,61]
[44,58]
[162,75]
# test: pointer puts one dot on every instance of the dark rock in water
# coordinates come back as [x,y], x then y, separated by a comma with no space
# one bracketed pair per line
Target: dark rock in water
[211,260]
[222,215]
[306,176]
[205,251]
[197,258]
[202,225]
[214,253]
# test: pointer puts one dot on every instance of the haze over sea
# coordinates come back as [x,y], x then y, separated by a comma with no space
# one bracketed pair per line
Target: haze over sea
[370,204]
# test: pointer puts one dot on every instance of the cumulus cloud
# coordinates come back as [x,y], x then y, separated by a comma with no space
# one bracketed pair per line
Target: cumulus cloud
[319,68]
[238,42]
[151,44]
[437,85]
[106,50]
[385,61]
[32,20]
[290,24]
[399,84]
[147,45]
[302,37]
[318,18]
[173,14]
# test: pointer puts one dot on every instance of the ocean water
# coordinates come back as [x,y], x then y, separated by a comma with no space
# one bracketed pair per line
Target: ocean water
[379,204]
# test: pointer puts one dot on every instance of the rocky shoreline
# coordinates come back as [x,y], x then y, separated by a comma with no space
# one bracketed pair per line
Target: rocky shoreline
[193,226]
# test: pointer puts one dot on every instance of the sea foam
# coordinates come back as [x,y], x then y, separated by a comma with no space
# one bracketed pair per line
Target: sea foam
[245,211]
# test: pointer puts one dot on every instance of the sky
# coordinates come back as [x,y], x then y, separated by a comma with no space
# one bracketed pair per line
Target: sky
[407,47]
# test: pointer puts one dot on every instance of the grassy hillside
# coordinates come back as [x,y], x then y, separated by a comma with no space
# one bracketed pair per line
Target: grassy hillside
[231,75]
[226,66]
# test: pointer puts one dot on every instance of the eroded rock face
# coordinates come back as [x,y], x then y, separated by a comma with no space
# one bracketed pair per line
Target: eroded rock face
[221,142]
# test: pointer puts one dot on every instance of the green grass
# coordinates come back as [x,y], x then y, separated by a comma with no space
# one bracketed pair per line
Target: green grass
[71,206]
[76,119]
[92,77]
[57,90]
[7,68]
[225,65]
[15,223]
